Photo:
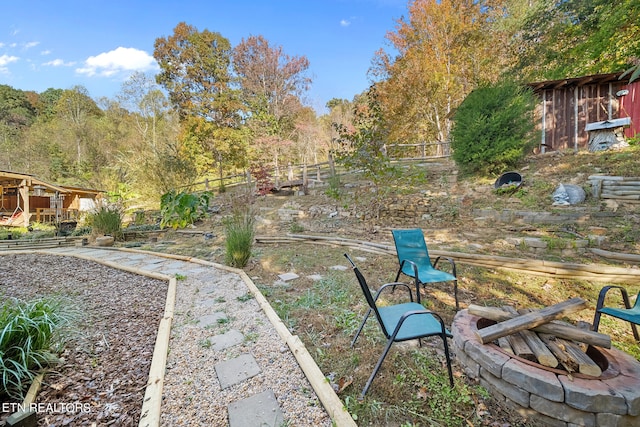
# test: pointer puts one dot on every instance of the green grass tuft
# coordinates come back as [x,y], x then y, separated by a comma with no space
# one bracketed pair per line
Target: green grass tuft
[30,335]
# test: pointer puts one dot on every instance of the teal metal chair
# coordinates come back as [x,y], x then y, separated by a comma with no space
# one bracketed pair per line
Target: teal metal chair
[415,262]
[628,313]
[401,322]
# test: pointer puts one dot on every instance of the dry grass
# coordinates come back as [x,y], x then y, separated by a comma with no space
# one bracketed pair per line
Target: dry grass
[411,386]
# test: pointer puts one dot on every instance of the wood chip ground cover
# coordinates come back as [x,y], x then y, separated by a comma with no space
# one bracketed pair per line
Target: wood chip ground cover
[105,363]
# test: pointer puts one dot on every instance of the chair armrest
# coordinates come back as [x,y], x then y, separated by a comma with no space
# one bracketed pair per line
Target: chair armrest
[450,260]
[603,295]
[394,284]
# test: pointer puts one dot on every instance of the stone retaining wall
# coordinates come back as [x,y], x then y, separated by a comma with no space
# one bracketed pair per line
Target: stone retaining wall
[613,400]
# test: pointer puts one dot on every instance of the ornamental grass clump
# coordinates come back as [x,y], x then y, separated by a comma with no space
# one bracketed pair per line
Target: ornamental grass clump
[107,220]
[239,231]
[30,335]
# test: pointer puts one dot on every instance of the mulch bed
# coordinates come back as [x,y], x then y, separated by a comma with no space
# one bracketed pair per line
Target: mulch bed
[105,363]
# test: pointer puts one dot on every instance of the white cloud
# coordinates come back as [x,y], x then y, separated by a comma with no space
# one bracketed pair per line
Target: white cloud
[45,52]
[344,23]
[6,60]
[122,59]
[59,63]
[31,44]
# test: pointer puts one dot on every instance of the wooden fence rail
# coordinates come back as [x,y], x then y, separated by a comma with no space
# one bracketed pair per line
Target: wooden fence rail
[318,172]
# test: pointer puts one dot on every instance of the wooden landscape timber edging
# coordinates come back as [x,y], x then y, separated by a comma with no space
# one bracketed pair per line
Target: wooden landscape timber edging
[617,256]
[49,242]
[593,272]
[152,401]
[330,400]
[621,188]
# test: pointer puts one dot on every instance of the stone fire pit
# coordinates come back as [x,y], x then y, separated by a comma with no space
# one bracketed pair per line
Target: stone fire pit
[551,396]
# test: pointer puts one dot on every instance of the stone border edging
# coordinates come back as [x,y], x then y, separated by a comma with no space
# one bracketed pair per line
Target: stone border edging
[151,407]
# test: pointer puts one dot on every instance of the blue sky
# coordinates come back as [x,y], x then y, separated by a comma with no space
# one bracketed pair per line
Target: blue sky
[98,44]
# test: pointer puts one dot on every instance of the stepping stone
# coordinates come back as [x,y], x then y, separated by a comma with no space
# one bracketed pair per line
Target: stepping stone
[208,303]
[339,267]
[226,340]
[259,410]
[211,319]
[315,277]
[236,370]
[288,276]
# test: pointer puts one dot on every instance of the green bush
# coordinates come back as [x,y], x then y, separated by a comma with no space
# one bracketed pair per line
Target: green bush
[106,219]
[239,231]
[28,333]
[494,129]
[177,210]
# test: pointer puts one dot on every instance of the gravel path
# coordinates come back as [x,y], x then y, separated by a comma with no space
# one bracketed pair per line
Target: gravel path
[108,364]
[192,394]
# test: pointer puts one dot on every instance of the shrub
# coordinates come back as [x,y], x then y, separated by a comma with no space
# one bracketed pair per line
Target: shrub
[493,129]
[28,333]
[177,210]
[264,182]
[106,219]
[239,231]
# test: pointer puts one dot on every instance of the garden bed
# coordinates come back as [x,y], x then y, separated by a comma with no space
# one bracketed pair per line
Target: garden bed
[105,364]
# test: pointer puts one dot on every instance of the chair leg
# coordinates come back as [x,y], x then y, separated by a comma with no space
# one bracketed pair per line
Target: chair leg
[596,320]
[364,320]
[448,358]
[455,293]
[635,331]
[377,368]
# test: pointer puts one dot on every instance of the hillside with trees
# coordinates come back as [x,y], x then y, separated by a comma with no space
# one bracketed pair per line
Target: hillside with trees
[215,109]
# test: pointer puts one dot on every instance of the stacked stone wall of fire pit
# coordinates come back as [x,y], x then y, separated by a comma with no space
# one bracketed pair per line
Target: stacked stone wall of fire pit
[551,399]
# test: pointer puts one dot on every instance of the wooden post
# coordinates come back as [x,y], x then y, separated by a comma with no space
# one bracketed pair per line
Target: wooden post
[290,172]
[531,320]
[332,166]
[305,179]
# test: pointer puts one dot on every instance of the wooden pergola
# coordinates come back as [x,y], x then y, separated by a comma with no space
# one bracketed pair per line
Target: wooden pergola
[24,198]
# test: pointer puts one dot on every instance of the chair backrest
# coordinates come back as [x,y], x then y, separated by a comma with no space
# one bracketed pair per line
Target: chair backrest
[367,294]
[410,245]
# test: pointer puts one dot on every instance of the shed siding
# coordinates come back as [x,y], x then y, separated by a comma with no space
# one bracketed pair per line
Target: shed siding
[568,109]
[630,107]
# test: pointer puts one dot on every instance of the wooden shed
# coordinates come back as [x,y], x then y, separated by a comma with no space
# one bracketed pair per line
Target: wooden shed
[25,199]
[567,106]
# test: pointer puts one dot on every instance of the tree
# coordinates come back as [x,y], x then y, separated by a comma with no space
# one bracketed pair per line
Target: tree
[363,148]
[443,51]
[571,38]
[271,84]
[270,80]
[340,115]
[47,101]
[16,114]
[195,70]
[76,108]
